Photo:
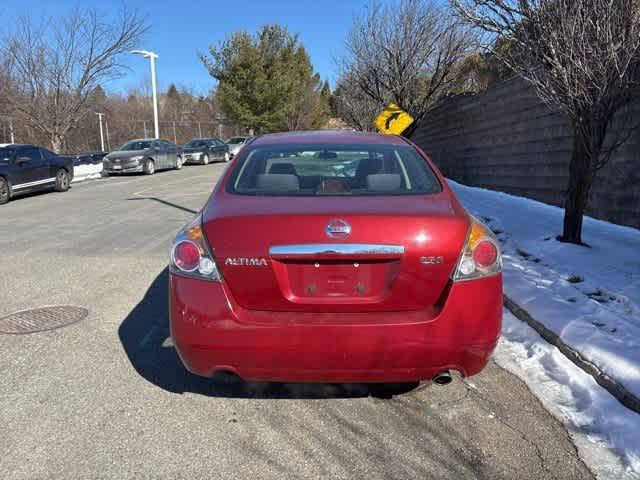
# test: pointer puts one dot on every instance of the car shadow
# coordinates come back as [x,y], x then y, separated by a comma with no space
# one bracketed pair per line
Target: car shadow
[145,337]
[164,202]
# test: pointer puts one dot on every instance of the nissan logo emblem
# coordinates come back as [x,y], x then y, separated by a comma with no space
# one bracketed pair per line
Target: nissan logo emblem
[337,229]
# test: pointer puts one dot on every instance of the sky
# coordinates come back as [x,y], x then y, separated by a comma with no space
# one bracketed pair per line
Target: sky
[180,29]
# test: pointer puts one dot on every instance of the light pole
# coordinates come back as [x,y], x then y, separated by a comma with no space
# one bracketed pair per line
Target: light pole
[152,57]
[100,115]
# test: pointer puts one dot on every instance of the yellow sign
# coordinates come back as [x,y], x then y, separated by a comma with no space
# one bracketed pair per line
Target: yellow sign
[393,120]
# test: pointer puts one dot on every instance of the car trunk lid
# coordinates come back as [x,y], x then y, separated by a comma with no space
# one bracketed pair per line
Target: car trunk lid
[280,254]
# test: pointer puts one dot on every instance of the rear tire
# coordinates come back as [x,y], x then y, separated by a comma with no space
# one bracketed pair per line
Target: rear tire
[205,159]
[5,193]
[149,167]
[62,181]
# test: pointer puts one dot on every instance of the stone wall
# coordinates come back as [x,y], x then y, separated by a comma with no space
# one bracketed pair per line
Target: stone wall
[506,139]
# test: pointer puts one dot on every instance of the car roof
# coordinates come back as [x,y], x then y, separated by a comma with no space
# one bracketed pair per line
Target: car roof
[328,136]
[148,140]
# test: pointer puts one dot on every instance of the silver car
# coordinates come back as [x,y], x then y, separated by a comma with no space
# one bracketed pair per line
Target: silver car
[235,144]
[143,156]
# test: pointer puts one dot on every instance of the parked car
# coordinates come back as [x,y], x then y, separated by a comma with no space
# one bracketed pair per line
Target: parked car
[88,158]
[205,150]
[235,144]
[27,168]
[296,270]
[143,156]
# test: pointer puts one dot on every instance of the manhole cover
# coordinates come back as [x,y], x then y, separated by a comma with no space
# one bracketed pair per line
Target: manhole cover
[41,319]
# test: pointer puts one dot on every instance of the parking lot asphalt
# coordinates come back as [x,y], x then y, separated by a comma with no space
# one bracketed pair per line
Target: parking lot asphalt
[108,398]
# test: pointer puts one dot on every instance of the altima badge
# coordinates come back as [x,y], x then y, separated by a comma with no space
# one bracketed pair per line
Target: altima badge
[243,261]
[337,229]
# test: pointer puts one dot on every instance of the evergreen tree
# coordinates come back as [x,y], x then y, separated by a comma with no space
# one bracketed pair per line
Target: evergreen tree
[265,81]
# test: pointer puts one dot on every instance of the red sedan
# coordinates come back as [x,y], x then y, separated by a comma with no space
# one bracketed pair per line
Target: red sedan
[334,257]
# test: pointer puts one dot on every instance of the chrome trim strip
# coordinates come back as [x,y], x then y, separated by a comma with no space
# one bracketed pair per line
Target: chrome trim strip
[311,249]
[33,184]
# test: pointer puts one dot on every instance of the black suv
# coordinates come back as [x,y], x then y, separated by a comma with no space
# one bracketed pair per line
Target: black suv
[26,168]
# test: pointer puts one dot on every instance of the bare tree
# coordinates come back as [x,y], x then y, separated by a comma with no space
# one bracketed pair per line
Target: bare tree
[582,56]
[56,66]
[353,106]
[310,107]
[407,53]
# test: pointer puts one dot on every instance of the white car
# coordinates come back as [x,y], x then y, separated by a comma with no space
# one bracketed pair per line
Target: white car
[235,144]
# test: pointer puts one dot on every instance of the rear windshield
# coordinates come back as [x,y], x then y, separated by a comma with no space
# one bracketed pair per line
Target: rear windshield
[341,170]
[235,140]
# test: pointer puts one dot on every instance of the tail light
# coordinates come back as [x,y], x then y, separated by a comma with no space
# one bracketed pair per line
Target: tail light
[191,256]
[481,254]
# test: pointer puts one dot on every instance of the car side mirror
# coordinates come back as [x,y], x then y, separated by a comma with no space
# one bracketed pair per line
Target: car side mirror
[23,160]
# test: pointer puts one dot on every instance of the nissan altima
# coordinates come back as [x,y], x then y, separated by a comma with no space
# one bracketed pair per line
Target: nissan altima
[334,257]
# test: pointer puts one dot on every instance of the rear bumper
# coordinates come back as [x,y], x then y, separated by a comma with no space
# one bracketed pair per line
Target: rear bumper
[211,332]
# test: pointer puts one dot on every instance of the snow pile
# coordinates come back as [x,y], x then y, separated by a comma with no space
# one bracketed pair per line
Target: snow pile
[590,297]
[85,172]
[598,424]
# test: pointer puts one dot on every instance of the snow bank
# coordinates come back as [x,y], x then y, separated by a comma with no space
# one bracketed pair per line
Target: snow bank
[86,172]
[599,425]
[590,297]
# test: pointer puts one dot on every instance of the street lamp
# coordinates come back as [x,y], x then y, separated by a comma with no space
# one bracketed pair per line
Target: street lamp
[152,57]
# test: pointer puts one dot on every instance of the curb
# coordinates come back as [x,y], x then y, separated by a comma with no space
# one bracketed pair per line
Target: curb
[611,385]
[84,178]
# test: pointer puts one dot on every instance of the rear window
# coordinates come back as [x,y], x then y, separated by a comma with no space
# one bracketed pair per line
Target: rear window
[340,170]
[47,154]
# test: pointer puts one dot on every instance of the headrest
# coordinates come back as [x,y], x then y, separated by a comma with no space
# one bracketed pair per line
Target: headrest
[383,181]
[276,182]
[286,168]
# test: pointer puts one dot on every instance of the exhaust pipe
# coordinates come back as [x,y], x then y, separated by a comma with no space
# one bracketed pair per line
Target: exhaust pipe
[442,378]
